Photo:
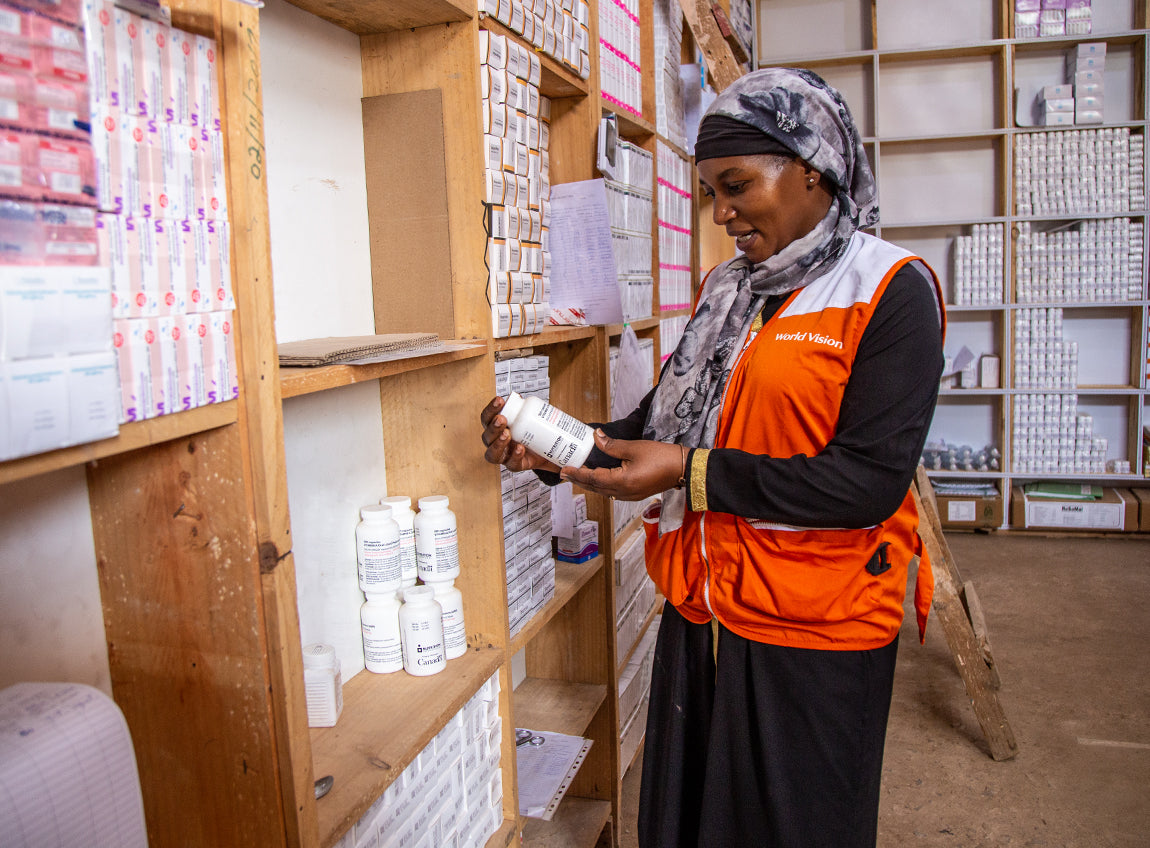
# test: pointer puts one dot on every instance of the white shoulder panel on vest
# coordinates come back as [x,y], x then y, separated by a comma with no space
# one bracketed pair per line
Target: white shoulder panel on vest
[854,279]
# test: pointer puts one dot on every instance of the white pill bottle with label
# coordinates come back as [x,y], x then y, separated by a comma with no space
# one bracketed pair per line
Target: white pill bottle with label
[547,430]
[421,625]
[436,540]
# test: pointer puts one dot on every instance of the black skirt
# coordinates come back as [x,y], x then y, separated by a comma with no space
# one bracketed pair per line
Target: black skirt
[775,747]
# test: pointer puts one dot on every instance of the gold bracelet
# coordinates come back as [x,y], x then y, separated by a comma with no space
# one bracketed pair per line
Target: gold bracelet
[683,477]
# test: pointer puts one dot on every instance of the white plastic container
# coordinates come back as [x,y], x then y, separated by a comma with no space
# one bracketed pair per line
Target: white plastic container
[403,515]
[436,540]
[547,430]
[382,645]
[421,625]
[323,685]
[454,630]
[377,550]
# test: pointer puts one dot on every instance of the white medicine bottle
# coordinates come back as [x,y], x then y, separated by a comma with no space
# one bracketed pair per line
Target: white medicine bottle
[377,550]
[436,540]
[403,515]
[382,645]
[548,431]
[323,685]
[451,606]
[421,625]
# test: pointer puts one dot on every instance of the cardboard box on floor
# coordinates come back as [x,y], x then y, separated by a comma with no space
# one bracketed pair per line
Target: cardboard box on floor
[1116,511]
[1143,498]
[972,513]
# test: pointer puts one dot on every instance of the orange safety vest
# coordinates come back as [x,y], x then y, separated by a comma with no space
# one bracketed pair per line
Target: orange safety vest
[785,585]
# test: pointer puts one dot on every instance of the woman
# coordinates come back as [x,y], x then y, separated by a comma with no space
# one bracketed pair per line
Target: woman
[784,434]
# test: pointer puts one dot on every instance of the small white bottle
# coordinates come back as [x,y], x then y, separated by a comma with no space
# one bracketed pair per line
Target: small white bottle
[436,540]
[323,685]
[382,645]
[377,550]
[421,625]
[403,515]
[548,431]
[451,605]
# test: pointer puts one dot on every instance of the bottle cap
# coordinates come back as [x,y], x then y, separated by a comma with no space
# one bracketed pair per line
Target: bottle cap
[511,406]
[375,512]
[397,502]
[318,655]
[418,594]
[433,502]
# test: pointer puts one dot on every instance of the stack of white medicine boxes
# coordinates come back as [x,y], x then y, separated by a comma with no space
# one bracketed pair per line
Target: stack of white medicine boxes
[526,506]
[558,28]
[58,381]
[451,795]
[1095,261]
[630,208]
[163,200]
[978,266]
[634,695]
[634,593]
[675,228]
[624,512]
[516,121]
[1073,172]
[620,77]
[1049,435]
[674,205]
[670,121]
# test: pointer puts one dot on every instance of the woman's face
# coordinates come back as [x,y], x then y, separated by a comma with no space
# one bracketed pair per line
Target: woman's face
[764,201]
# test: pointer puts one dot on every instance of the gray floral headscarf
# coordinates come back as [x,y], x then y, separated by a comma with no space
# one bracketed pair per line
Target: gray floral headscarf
[797,109]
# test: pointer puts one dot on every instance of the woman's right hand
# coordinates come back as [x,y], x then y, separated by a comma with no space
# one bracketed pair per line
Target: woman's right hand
[502,449]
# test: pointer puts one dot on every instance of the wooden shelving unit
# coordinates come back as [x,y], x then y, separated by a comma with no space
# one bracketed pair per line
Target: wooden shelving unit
[198,561]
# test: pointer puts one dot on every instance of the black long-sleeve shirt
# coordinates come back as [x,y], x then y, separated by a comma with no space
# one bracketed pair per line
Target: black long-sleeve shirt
[860,477]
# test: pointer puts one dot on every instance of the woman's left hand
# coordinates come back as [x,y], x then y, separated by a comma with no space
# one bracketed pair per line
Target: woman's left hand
[647,468]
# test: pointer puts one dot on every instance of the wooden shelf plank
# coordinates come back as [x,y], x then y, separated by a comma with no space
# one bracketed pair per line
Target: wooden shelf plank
[631,126]
[648,322]
[549,336]
[559,706]
[302,381]
[133,436]
[556,79]
[387,719]
[577,824]
[570,577]
[387,15]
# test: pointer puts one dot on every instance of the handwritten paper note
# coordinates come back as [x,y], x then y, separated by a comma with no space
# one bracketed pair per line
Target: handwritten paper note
[582,259]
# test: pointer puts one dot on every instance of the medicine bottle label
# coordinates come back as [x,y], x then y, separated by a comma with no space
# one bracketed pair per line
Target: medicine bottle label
[454,631]
[381,651]
[441,556]
[424,651]
[407,561]
[382,567]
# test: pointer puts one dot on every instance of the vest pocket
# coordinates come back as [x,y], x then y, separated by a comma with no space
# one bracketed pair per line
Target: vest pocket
[664,557]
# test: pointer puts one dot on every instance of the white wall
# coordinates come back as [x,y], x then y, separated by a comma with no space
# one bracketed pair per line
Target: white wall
[333,441]
[317,193]
[51,623]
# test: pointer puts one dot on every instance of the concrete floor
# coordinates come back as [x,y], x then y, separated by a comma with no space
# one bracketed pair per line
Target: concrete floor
[1069,622]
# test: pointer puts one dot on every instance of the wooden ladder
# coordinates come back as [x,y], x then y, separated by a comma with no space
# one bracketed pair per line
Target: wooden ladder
[721,48]
[960,614]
